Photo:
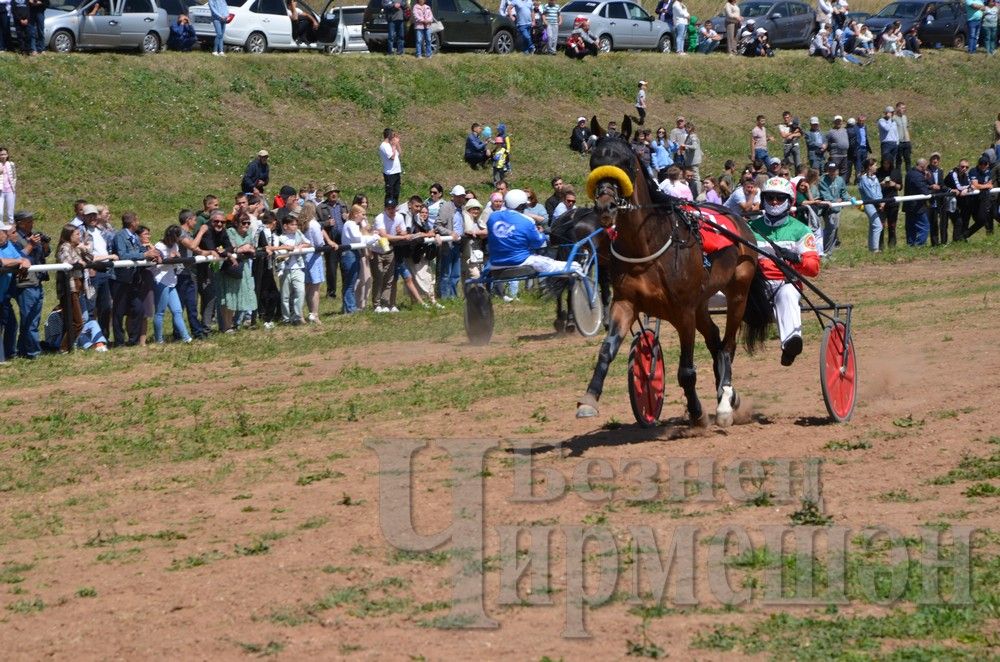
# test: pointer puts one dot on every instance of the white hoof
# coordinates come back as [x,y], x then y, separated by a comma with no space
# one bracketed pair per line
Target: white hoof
[724,412]
[586,411]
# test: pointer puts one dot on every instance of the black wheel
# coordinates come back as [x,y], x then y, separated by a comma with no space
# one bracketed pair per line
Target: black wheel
[646,378]
[588,311]
[435,43]
[838,376]
[959,41]
[664,45]
[478,314]
[605,43]
[503,43]
[256,43]
[151,43]
[62,41]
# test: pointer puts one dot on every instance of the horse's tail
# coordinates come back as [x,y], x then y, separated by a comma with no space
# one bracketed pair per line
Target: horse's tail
[757,315]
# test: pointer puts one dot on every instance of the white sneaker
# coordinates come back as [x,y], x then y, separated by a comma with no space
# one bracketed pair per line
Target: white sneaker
[313,319]
[507,299]
[268,325]
[222,54]
[437,305]
[394,310]
[380,309]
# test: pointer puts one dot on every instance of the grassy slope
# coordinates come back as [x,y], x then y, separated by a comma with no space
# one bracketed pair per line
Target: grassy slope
[157,133]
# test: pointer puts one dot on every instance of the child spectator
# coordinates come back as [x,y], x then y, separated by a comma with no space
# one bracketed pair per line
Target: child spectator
[293,289]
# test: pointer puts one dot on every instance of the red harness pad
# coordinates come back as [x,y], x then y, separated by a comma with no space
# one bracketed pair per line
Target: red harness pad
[711,239]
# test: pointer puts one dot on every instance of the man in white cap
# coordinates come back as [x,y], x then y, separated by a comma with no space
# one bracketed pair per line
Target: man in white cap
[512,237]
[581,140]
[257,174]
[888,135]
[815,144]
[837,144]
[450,223]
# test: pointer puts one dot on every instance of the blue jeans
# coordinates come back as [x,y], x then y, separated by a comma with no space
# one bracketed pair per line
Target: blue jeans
[37,25]
[29,305]
[918,227]
[187,292]
[350,264]
[874,227]
[889,151]
[525,32]
[449,270]
[395,41]
[990,39]
[166,297]
[760,154]
[973,41]
[8,328]
[423,37]
[680,37]
[219,24]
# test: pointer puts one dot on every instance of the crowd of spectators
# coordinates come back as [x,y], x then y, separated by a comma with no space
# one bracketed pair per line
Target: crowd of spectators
[428,243]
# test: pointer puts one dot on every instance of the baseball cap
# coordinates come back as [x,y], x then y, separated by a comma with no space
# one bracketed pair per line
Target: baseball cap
[390,202]
[851,121]
[5,228]
[287,191]
[457,190]
[935,154]
[642,82]
[838,117]
[774,160]
[330,187]
[761,31]
[814,120]
[473,204]
[831,164]
[90,209]
[889,109]
[23,215]
[262,152]
[581,119]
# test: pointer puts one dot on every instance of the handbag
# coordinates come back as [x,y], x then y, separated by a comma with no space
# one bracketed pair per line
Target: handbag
[232,270]
[436,26]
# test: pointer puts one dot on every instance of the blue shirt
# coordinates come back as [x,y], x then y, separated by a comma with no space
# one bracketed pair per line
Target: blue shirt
[523,8]
[511,236]
[8,251]
[218,8]
[661,153]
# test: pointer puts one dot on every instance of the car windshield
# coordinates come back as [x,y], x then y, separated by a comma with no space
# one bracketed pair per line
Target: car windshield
[353,17]
[580,7]
[900,10]
[754,9]
[69,5]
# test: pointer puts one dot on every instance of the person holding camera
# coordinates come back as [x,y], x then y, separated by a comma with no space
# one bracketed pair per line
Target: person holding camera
[182,36]
[35,246]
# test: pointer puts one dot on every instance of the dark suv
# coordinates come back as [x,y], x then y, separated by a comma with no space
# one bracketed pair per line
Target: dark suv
[937,22]
[466,26]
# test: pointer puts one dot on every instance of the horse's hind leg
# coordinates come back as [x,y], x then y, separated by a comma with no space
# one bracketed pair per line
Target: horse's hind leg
[736,302]
[622,317]
[722,366]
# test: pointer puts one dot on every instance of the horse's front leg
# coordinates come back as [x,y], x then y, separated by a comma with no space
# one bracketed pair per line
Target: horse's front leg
[686,375]
[622,317]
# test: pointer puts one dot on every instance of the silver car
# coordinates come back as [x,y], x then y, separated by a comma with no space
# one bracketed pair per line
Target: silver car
[618,25]
[345,24]
[139,24]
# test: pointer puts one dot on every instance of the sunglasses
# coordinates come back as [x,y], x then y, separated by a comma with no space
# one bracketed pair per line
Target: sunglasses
[570,201]
[245,224]
[773,197]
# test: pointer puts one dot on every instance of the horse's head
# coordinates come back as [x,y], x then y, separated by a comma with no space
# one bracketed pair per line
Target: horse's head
[612,171]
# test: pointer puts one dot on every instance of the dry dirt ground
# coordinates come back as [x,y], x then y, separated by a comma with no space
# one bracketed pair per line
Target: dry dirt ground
[276,547]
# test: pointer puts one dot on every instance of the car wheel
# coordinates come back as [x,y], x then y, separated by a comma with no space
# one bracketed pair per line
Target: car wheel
[151,43]
[256,43]
[503,43]
[959,41]
[435,43]
[334,49]
[63,42]
[664,45]
[605,44]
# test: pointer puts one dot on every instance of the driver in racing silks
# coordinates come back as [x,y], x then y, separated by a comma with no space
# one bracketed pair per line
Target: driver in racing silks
[780,234]
[512,236]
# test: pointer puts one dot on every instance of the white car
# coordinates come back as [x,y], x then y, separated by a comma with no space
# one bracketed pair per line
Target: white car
[347,23]
[258,26]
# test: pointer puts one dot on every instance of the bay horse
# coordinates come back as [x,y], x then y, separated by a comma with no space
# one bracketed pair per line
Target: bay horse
[658,268]
[573,226]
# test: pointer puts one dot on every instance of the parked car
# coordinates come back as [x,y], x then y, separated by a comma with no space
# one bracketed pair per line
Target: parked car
[258,26]
[118,24]
[788,24]
[617,25]
[345,24]
[937,22]
[467,25]
[859,16]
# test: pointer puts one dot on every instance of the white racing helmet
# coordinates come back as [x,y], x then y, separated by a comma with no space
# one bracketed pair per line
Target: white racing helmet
[777,212]
[515,199]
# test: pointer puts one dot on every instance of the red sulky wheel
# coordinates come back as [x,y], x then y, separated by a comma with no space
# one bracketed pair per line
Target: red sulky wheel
[645,378]
[838,377]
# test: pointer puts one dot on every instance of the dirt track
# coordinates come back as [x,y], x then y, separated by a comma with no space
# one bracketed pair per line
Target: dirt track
[306,566]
